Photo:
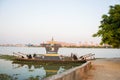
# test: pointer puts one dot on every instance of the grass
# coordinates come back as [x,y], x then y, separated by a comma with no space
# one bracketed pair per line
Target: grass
[7,57]
[6,77]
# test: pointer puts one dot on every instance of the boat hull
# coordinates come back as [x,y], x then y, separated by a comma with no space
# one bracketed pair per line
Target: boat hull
[20,60]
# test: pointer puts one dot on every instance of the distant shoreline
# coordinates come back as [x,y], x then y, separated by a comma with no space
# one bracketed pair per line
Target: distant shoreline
[65,47]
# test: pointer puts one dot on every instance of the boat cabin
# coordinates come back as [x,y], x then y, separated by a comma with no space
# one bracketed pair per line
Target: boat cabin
[51,48]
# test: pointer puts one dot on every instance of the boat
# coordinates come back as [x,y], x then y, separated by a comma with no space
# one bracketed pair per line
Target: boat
[51,55]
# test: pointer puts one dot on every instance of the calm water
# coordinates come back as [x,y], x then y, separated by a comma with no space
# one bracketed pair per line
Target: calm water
[99,52]
[16,71]
[28,72]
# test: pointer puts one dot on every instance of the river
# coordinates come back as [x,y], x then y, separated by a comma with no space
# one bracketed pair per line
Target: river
[15,71]
[99,52]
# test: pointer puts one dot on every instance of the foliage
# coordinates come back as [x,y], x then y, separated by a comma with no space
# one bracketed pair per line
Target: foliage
[109,30]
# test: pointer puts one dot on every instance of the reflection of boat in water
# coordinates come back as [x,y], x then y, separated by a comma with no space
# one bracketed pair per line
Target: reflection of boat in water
[47,70]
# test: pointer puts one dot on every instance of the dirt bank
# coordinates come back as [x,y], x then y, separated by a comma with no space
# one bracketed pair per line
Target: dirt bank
[104,69]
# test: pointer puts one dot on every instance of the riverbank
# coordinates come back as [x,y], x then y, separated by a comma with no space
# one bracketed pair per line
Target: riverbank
[104,69]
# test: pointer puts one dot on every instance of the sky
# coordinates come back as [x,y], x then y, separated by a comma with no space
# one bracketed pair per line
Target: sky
[36,21]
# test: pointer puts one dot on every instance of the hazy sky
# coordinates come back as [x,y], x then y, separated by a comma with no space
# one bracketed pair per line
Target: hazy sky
[35,21]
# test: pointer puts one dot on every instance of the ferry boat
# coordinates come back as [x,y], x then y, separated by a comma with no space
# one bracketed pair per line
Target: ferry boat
[51,55]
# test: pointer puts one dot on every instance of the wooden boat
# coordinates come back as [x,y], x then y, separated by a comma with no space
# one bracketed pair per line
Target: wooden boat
[40,61]
[51,56]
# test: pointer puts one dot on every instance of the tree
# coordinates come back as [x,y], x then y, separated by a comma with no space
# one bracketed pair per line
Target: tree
[109,30]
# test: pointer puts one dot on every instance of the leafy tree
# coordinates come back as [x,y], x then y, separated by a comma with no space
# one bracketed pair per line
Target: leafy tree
[109,30]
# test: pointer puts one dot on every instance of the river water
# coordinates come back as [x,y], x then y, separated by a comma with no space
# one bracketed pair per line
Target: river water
[99,52]
[15,71]
[19,71]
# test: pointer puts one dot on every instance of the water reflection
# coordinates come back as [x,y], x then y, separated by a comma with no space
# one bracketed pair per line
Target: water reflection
[10,71]
[29,71]
[43,70]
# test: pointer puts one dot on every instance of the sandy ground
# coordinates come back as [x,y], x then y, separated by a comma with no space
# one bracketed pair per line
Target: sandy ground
[104,69]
